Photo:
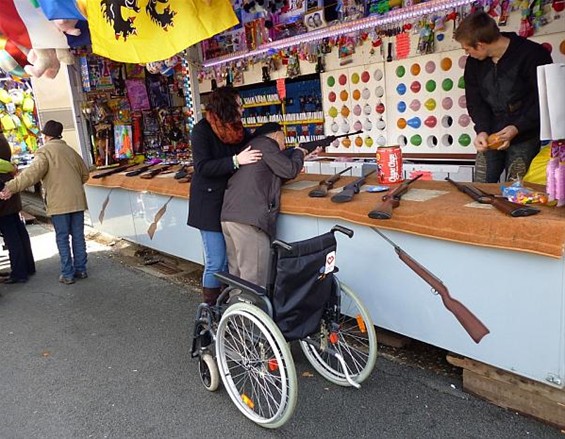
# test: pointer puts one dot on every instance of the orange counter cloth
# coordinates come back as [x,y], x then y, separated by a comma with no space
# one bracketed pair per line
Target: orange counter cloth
[444,217]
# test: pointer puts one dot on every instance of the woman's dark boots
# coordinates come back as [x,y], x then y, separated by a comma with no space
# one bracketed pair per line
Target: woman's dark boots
[210,295]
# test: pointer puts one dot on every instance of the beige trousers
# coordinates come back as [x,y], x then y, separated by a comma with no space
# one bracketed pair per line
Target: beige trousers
[248,250]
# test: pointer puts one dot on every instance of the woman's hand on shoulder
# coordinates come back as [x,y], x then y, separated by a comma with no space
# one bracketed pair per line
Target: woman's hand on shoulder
[248,156]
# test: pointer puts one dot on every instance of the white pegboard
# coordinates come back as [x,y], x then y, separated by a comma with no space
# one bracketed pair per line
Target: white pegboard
[354,99]
[427,111]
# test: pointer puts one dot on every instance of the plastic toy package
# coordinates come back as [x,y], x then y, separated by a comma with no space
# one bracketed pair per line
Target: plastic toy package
[523,195]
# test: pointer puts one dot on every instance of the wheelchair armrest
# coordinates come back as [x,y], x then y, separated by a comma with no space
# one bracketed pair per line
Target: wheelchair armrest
[234,281]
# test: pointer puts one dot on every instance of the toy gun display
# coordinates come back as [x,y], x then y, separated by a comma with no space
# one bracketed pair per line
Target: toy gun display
[470,322]
[326,185]
[115,170]
[500,203]
[149,175]
[351,189]
[311,146]
[391,200]
[139,170]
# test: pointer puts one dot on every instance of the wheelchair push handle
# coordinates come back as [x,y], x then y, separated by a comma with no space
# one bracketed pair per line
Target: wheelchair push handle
[344,230]
[282,244]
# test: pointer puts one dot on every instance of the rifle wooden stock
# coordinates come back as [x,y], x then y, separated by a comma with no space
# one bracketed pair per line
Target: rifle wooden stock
[326,185]
[470,322]
[499,203]
[384,209]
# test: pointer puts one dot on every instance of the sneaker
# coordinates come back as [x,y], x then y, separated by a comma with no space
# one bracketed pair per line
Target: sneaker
[66,280]
[81,275]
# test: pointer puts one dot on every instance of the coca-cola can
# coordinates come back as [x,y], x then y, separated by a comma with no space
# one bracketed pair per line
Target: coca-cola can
[389,163]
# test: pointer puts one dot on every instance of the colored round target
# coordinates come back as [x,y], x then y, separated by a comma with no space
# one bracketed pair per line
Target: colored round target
[369,141]
[430,67]
[464,120]
[346,142]
[416,140]
[358,141]
[447,103]
[366,93]
[367,109]
[415,69]
[401,123]
[415,105]
[415,87]
[400,71]
[357,110]
[461,83]
[415,122]
[355,78]
[430,104]
[332,112]
[431,86]
[365,76]
[430,121]
[380,108]
[368,125]
[332,96]
[378,74]
[446,64]
[401,106]
[356,94]
[547,46]
[446,84]
[462,61]
[331,81]
[342,80]
[462,101]
[401,89]
[357,126]
[343,95]
[464,139]
[345,111]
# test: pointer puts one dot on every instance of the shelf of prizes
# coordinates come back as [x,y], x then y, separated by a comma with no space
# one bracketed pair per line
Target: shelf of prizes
[136,110]
[508,272]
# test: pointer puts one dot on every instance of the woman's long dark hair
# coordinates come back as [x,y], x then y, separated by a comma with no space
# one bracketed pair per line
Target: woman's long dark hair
[224,104]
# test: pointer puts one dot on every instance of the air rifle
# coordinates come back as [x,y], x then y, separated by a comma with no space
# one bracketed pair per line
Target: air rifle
[500,203]
[470,322]
[351,189]
[326,185]
[139,170]
[391,200]
[149,175]
[311,146]
[115,170]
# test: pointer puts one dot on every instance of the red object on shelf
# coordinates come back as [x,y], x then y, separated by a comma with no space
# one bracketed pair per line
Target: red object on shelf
[281,88]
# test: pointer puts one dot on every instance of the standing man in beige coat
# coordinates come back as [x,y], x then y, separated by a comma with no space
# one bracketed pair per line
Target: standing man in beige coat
[62,173]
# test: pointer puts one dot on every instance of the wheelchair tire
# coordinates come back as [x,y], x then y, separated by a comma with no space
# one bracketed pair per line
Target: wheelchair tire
[256,366]
[356,342]
[209,374]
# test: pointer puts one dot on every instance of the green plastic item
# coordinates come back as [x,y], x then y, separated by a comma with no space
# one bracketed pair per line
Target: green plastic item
[416,140]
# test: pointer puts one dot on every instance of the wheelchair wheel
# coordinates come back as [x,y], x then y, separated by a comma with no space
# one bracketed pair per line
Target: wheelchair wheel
[209,374]
[256,365]
[353,337]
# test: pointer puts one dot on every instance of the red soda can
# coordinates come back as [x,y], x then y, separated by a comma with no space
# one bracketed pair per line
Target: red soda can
[389,163]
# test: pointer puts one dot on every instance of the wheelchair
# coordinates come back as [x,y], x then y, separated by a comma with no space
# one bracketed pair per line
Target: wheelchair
[244,338]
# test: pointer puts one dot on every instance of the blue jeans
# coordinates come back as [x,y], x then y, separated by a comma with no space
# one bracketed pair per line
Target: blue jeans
[215,257]
[70,224]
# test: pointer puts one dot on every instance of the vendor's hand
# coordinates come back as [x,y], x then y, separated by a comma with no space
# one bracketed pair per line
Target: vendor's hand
[480,142]
[5,194]
[314,154]
[248,156]
[506,135]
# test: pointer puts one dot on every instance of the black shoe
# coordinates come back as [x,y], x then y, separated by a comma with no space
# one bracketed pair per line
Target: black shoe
[13,280]
[66,280]
[81,275]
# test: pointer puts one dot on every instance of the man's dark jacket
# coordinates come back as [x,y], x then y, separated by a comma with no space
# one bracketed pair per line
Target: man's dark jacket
[213,166]
[506,93]
[254,192]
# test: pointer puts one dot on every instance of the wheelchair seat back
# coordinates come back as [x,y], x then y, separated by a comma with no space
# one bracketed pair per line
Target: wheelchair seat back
[303,285]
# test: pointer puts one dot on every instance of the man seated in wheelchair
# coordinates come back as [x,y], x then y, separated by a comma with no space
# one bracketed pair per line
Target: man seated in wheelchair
[252,203]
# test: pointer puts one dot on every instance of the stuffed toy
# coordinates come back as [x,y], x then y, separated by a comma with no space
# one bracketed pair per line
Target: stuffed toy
[67,26]
[47,61]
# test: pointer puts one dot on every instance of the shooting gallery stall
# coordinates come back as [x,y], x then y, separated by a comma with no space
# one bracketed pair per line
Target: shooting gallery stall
[508,272]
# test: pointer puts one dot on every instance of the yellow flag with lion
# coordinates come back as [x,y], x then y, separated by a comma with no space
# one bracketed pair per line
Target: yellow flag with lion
[142,31]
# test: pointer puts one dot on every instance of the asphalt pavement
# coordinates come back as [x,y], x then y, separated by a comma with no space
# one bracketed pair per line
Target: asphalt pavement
[109,357]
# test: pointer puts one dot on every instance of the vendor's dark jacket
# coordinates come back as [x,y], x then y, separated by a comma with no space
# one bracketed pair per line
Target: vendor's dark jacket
[254,192]
[14,203]
[213,166]
[506,93]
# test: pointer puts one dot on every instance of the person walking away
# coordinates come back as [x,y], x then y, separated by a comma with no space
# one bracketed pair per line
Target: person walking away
[502,94]
[218,150]
[252,203]
[12,227]
[62,173]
